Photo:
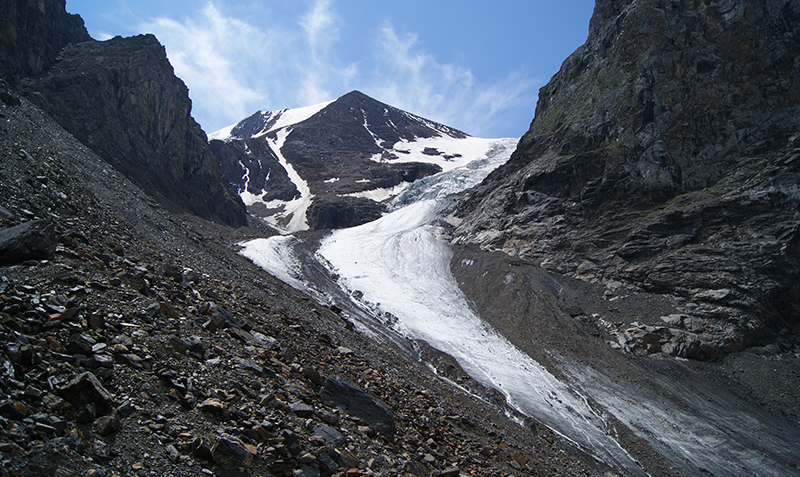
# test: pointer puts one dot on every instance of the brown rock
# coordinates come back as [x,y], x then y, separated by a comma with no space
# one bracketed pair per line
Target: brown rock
[348,459]
[167,309]
[230,452]
[107,425]
[211,405]
[54,345]
[86,389]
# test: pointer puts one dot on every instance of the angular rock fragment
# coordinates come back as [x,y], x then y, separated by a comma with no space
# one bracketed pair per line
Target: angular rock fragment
[32,240]
[356,402]
[231,453]
[86,389]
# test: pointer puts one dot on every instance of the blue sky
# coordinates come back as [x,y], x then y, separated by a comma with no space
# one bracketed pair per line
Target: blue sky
[471,64]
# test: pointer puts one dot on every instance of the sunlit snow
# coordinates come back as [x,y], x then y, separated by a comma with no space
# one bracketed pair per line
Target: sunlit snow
[293,216]
[289,117]
[285,118]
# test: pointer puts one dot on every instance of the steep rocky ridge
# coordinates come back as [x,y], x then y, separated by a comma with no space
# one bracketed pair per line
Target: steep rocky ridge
[342,138]
[664,155]
[32,34]
[122,99]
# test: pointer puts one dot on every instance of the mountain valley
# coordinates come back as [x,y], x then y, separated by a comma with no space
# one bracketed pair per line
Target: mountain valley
[351,289]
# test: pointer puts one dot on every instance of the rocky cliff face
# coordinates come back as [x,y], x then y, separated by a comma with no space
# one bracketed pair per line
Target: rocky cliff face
[32,34]
[122,99]
[664,155]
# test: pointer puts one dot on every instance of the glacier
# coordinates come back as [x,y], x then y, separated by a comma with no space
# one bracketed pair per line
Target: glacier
[399,266]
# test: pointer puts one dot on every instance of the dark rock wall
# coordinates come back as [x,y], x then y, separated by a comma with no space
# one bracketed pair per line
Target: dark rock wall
[342,212]
[663,153]
[250,164]
[122,99]
[32,33]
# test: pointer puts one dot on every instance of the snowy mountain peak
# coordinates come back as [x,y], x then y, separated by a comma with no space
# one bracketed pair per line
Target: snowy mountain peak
[335,164]
[263,122]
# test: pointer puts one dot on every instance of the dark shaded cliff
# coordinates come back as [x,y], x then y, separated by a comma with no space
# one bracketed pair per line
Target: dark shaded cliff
[663,154]
[122,99]
[119,97]
[32,34]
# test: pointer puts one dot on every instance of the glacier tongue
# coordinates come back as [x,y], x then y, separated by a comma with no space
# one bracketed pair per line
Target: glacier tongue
[399,266]
[402,266]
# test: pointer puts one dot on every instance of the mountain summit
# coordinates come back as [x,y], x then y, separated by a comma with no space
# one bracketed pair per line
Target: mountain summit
[331,165]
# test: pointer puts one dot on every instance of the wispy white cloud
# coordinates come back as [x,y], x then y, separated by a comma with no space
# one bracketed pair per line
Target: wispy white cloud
[410,78]
[321,69]
[234,67]
[218,57]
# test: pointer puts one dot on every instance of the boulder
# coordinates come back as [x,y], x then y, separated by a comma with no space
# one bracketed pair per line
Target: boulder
[356,402]
[231,453]
[86,389]
[34,240]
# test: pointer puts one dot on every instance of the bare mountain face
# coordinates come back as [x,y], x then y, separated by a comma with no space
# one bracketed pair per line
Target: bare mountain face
[33,34]
[342,155]
[122,99]
[663,157]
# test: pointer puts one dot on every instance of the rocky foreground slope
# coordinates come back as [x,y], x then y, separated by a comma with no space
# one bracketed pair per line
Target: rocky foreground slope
[665,157]
[137,342]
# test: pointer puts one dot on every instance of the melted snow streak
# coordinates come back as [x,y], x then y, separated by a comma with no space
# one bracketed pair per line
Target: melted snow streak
[398,267]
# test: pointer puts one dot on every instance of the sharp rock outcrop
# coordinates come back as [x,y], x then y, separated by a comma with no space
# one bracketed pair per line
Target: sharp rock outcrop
[121,98]
[664,154]
[32,34]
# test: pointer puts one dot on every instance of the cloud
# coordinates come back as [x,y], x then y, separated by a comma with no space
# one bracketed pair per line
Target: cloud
[234,67]
[320,68]
[408,77]
[218,58]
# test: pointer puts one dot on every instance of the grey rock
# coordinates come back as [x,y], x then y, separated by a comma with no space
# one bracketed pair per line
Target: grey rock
[32,240]
[306,471]
[230,452]
[301,409]
[172,453]
[331,435]
[9,411]
[679,179]
[108,425]
[148,135]
[356,402]
[32,35]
